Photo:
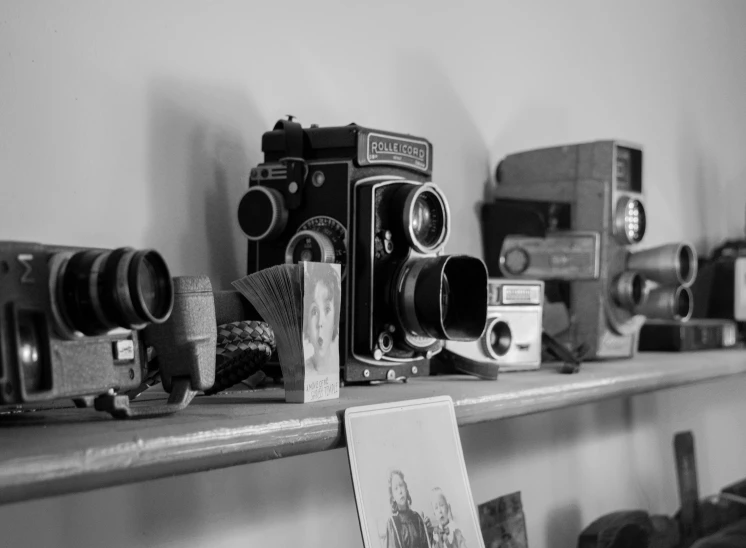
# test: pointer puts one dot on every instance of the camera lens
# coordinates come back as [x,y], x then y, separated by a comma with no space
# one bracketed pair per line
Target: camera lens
[443,297]
[262,214]
[498,339]
[100,290]
[425,217]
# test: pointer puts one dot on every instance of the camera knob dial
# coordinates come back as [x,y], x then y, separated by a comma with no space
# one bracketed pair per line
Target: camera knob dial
[262,214]
[309,245]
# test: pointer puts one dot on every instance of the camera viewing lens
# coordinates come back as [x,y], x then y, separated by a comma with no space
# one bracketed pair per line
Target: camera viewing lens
[443,297]
[425,217]
[100,290]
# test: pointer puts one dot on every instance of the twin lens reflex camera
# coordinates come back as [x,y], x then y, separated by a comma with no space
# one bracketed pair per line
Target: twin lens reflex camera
[363,198]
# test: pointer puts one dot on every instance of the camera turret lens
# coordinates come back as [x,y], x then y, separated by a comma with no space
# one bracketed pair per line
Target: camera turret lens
[99,290]
[262,214]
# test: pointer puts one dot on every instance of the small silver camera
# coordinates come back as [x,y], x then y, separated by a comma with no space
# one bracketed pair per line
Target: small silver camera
[511,340]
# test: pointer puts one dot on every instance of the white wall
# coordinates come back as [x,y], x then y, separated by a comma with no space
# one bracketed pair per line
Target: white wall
[136,123]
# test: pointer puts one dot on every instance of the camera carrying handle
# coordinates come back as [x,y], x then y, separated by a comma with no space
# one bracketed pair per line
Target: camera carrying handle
[118,405]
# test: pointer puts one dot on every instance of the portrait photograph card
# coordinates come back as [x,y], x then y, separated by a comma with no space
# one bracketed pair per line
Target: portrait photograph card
[301,303]
[408,474]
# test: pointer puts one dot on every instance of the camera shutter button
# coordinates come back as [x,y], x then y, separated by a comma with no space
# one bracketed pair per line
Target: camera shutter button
[262,214]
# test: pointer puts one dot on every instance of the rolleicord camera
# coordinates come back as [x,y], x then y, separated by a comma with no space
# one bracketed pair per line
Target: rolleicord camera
[70,321]
[570,215]
[512,336]
[363,198]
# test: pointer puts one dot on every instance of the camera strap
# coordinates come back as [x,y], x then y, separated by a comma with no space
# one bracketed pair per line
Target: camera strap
[297,169]
[570,360]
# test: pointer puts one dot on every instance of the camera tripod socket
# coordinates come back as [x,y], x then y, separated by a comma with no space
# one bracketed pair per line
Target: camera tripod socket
[262,214]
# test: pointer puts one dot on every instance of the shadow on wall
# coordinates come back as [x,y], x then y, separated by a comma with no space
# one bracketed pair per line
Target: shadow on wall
[701,202]
[199,169]
[437,112]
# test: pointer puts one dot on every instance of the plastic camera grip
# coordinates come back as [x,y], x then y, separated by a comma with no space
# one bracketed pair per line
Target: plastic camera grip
[185,344]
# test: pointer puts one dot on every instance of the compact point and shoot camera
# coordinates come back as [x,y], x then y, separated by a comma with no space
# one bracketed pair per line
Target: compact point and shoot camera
[69,319]
[512,335]
[363,198]
[570,215]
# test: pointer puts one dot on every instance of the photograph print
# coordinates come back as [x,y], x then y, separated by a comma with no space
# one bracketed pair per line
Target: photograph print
[322,294]
[408,472]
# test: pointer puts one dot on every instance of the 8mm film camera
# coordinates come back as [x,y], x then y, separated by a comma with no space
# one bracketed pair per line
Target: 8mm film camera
[570,215]
[69,321]
[363,198]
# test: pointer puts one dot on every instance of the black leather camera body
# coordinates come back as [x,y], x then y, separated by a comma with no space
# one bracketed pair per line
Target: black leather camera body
[363,198]
[69,319]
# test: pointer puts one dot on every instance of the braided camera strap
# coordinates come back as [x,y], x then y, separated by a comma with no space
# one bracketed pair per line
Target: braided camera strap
[242,349]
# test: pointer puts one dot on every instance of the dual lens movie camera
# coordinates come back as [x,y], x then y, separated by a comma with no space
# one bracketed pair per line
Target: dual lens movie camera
[511,340]
[570,215]
[363,198]
[79,323]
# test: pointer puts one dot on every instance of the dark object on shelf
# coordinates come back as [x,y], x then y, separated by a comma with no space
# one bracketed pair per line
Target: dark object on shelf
[70,319]
[720,289]
[512,335]
[363,198]
[699,522]
[695,334]
[502,522]
[630,529]
[557,213]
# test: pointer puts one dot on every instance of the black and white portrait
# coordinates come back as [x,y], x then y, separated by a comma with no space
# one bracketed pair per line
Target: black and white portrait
[321,306]
[408,471]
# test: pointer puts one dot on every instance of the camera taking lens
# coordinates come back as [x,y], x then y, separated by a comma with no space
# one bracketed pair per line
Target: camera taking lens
[443,297]
[99,290]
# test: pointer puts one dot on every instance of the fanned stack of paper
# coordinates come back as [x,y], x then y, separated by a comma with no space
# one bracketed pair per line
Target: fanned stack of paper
[301,302]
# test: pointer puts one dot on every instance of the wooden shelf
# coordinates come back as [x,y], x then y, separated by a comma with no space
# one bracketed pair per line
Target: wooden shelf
[62,450]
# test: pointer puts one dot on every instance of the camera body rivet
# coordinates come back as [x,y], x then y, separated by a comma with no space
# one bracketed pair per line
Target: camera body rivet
[366,373]
[293,187]
[390,375]
[414,370]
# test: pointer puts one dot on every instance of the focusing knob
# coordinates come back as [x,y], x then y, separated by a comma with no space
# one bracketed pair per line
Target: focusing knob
[311,246]
[262,214]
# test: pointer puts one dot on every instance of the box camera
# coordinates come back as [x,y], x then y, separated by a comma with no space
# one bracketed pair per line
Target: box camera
[720,288]
[569,215]
[512,335]
[69,319]
[363,198]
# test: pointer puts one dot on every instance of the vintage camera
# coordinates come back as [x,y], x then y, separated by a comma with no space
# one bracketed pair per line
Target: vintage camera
[512,335]
[69,320]
[363,198]
[570,215]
